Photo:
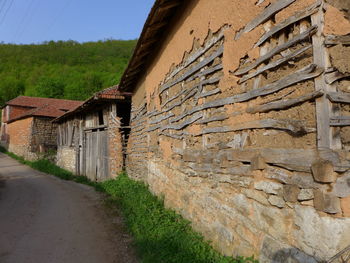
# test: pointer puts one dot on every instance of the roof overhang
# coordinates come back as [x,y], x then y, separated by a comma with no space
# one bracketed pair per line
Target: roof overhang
[152,33]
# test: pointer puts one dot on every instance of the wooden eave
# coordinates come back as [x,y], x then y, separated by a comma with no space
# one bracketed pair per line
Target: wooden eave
[158,19]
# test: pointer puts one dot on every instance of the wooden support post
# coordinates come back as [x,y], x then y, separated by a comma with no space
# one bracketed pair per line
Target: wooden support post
[326,135]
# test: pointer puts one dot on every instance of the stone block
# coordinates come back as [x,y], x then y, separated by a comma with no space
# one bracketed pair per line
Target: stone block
[256,195]
[276,201]
[189,156]
[274,251]
[269,187]
[323,172]
[323,236]
[345,206]
[205,158]
[290,193]
[307,202]
[342,186]
[326,202]
[258,163]
[306,194]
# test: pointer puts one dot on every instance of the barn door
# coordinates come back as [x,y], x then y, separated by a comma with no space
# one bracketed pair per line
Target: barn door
[96,155]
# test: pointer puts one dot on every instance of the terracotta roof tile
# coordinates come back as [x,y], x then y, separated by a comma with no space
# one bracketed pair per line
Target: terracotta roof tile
[44,107]
[36,102]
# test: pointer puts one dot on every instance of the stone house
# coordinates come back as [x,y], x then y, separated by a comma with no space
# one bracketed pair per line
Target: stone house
[240,120]
[90,137]
[26,127]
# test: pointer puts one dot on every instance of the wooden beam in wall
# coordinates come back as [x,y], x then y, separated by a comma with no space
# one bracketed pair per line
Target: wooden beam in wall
[326,136]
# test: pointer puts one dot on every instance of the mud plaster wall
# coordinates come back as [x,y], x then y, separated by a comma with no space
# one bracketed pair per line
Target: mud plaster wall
[248,189]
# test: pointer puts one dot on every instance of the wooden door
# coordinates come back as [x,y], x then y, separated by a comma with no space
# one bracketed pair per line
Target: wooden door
[96,155]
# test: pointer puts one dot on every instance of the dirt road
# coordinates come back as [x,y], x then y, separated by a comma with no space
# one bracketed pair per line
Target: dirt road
[46,219]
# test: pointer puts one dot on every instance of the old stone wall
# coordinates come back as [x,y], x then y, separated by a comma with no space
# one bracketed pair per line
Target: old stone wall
[238,124]
[66,158]
[44,135]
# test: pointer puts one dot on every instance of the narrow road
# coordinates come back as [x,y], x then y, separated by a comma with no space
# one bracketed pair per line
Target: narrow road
[46,219]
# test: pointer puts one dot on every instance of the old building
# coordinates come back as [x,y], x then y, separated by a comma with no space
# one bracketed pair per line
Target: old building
[90,137]
[240,119]
[26,127]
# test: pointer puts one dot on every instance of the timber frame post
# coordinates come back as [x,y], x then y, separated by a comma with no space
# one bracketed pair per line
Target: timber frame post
[327,136]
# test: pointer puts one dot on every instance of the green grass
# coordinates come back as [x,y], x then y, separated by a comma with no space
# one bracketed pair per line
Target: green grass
[160,235]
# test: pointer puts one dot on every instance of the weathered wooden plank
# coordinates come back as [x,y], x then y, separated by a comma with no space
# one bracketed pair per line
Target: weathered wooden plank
[140,107]
[340,121]
[193,57]
[206,72]
[294,126]
[327,137]
[173,136]
[335,40]
[305,35]
[341,97]
[308,72]
[275,63]
[192,70]
[173,98]
[162,118]
[265,15]
[153,128]
[191,92]
[303,74]
[213,118]
[183,124]
[289,21]
[284,104]
[209,93]
[334,76]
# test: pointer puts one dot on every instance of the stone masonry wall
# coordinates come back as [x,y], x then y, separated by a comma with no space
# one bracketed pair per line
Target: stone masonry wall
[44,135]
[238,135]
[66,158]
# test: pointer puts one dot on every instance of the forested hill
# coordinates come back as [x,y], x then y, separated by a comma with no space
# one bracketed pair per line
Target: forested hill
[63,69]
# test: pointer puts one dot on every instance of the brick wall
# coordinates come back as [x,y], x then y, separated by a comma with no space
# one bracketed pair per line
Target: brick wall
[20,136]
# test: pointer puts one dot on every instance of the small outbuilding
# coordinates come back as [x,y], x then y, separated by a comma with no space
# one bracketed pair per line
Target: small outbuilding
[90,137]
[26,124]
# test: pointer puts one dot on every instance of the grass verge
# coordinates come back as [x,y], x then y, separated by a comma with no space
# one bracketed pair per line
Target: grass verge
[160,235]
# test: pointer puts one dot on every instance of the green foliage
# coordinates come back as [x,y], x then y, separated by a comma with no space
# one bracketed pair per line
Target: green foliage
[63,69]
[160,234]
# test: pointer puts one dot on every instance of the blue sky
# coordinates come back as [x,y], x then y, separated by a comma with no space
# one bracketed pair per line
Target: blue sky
[35,21]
